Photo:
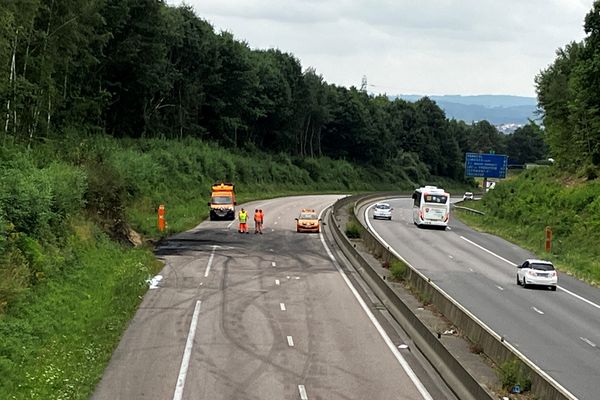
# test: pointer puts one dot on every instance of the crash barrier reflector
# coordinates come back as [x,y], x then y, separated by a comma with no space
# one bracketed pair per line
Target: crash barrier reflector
[493,345]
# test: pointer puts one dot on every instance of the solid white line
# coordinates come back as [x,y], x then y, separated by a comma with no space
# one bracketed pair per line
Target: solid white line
[579,297]
[210,260]
[302,391]
[591,303]
[273,264]
[282,306]
[231,223]
[537,310]
[588,341]
[290,341]
[403,363]
[185,362]
[488,251]
[277,281]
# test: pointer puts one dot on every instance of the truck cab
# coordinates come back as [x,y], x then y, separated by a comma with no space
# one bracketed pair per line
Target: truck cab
[222,201]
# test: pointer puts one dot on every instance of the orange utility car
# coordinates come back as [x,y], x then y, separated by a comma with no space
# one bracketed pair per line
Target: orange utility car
[308,221]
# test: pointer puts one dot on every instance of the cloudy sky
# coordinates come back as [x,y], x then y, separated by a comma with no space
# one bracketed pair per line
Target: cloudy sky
[426,47]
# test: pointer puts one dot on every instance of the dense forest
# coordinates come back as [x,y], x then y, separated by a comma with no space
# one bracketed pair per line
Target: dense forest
[568,94]
[141,68]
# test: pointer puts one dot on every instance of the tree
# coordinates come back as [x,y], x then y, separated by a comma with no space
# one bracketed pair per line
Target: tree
[526,144]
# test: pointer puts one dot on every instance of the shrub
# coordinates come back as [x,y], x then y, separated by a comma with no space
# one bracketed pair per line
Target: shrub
[397,270]
[353,230]
[513,373]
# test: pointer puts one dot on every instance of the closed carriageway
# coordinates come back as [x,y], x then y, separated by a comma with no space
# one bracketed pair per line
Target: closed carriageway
[268,316]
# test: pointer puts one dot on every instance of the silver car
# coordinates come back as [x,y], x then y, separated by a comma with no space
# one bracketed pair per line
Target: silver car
[537,272]
[383,211]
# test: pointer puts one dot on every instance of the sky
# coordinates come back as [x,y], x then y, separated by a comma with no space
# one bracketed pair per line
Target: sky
[425,47]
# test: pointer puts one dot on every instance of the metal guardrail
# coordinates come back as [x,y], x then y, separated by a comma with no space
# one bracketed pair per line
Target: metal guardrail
[493,345]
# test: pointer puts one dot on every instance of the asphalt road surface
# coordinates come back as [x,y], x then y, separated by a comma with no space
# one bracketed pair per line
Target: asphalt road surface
[269,316]
[559,331]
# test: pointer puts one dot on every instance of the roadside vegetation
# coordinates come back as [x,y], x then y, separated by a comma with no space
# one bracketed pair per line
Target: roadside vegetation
[519,209]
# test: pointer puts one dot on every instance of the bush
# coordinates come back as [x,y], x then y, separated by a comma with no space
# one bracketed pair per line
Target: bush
[513,373]
[397,270]
[353,230]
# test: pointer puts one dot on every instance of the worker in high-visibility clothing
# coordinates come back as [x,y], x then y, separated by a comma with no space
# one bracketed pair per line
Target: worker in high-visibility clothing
[243,217]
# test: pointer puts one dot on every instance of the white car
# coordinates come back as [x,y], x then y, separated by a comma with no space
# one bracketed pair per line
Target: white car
[383,211]
[468,196]
[537,272]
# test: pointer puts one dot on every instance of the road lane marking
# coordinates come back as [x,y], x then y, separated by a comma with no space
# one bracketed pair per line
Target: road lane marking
[302,391]
[451,257]
[273,264]
[187,353]
[210,260]
[591,303]
[401,360]
[588,341]
[500,287]
[488,251]
[277,281]
[290,341]
[231,223]
[537,310]
[282,306]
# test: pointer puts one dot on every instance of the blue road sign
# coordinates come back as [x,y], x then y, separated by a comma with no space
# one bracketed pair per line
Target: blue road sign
[481,165]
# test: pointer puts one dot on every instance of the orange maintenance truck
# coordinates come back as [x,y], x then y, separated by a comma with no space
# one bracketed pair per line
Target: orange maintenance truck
[222,201]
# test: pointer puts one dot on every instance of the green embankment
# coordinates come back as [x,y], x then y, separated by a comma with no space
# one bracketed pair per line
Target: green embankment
[519,209]
[70,281]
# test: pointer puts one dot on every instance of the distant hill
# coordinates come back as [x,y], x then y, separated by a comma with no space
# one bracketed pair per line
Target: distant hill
[497,109]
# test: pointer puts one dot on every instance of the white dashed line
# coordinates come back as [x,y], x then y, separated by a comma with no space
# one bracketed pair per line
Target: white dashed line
[210,260]
[296,277]
[287,277]
[277,281]
[500,287]
[187,353]
[588,341]
[273,264]
[231,223]
[290,341]
[282,306]
[302,391]
[451,257]
[537,310]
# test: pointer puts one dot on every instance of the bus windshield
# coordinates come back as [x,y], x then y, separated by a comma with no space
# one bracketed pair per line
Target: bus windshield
[435,198]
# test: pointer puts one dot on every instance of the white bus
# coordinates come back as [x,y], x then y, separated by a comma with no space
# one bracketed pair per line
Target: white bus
[431,206]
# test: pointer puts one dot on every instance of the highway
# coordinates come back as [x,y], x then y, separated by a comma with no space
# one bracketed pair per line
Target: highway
[271,316]
[559,331]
